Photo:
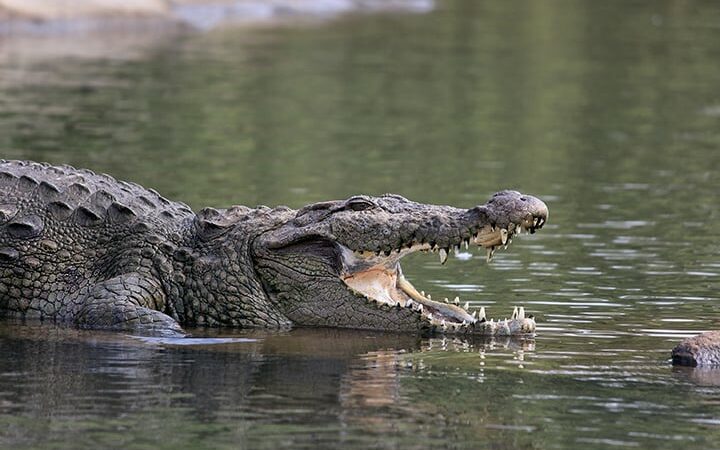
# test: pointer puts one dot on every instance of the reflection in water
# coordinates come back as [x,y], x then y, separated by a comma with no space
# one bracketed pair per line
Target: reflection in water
[701,376]
[371,394]
[330,378]
[369,389]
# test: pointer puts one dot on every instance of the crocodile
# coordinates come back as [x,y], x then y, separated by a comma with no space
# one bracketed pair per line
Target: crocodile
[87,250]
[701,350]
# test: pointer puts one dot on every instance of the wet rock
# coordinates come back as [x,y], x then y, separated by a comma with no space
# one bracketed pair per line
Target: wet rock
[701,350]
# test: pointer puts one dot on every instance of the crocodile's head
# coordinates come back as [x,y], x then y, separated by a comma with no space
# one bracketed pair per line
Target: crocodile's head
[337,263]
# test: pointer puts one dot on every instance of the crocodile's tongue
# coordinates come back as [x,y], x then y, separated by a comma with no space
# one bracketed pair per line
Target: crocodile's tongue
[379,277]
[446,310]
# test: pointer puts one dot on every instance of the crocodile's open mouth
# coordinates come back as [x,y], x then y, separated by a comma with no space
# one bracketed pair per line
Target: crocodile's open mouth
[378,277]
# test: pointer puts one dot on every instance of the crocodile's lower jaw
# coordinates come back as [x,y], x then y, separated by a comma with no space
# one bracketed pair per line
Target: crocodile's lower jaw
[379,278]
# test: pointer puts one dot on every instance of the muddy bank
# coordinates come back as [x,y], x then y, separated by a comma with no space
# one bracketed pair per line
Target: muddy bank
[65,16]
[38,30]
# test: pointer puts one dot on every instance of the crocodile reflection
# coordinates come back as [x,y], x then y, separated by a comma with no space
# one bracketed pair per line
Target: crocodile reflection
[701,376]
[338,376]
[372,383]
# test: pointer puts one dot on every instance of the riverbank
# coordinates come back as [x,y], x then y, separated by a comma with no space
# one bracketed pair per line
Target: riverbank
[38,30]
[68,16]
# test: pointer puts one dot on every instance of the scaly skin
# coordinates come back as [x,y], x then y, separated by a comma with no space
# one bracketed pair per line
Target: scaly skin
[85,249]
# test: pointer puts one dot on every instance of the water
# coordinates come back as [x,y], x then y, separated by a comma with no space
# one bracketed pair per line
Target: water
[608,111]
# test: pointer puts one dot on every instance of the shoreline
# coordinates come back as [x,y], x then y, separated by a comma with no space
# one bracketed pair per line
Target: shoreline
[55,17]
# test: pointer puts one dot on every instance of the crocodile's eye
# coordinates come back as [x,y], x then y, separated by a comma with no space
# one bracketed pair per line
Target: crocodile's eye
[359,204]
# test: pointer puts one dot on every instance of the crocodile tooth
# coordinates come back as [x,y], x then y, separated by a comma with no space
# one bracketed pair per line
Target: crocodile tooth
[504,236]
[465,323]
[467,244]
[466,305]
[443,255]
[422,293]
[521,313]
[490,251]
[420,308]
[429,297]
[456,300]
[474,315]
[446,300]
[481,314]
[515,313]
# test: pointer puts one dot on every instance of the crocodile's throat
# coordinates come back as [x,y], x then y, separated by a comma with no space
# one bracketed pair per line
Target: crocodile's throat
[379,277]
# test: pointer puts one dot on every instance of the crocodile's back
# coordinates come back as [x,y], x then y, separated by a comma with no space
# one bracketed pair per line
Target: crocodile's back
[63,228]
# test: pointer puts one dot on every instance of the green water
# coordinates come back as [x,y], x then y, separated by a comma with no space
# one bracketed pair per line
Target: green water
[609,111]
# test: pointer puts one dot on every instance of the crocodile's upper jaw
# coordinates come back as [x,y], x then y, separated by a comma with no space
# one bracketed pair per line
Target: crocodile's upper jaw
[379,278]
